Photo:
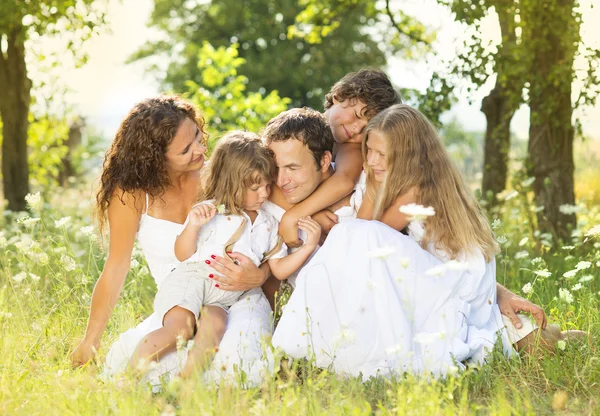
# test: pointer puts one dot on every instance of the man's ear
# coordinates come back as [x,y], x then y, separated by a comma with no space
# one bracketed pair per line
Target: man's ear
[326,161]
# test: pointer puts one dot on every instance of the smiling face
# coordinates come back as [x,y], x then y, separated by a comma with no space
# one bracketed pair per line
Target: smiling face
[257,193]
[347,120]
[186,151]
[376,155]
[298,175]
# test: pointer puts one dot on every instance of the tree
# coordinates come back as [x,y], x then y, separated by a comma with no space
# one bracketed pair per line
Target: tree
[274,59]
[20,20]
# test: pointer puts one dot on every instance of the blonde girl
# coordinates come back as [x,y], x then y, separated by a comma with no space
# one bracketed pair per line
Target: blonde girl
[236,182]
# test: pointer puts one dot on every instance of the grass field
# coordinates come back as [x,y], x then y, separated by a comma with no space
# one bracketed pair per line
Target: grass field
[50,262]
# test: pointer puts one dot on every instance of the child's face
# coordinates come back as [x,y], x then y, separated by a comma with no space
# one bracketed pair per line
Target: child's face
[256,194]
[347,120]
[376,155]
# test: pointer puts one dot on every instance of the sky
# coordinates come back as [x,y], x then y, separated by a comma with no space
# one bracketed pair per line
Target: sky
[105,88]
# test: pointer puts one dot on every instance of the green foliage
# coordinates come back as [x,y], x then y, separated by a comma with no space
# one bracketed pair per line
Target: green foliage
[298,69]
[222,96]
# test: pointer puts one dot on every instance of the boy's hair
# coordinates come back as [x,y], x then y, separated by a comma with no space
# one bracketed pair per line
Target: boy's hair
[416,159]
[239,160]
[370,86]
[304,124]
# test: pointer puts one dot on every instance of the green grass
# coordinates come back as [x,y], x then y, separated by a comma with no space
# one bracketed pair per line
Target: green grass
[41,321]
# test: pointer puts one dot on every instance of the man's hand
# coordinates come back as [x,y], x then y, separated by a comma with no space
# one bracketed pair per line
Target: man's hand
[236,277]
[510,304]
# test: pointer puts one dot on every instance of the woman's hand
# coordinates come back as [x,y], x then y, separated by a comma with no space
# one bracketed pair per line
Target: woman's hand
[84,352]
[237,277]
[510,304]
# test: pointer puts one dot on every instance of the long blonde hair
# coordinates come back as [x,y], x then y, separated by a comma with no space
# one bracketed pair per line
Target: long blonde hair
[239,160]
[416,159]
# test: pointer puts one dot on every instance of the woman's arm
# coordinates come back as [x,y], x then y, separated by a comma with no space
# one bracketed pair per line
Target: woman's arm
[123,220]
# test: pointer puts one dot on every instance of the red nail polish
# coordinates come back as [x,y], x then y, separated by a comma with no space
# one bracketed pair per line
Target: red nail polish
[229,252]
[207,261]
[216,285]
[212,256]
[211,275]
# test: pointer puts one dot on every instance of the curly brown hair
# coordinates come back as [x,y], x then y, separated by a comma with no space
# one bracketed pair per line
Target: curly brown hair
[239,160]
[136,159]
[304,124]
[370,86]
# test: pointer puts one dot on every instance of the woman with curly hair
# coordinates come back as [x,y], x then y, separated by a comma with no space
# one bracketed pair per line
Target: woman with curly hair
[148,185]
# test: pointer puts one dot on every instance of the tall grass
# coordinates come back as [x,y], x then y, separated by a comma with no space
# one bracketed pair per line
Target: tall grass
[48,268]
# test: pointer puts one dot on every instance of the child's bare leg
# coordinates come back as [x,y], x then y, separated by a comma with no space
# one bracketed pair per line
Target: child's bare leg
[211,328]
[270,288]
[178,321]
[547,338]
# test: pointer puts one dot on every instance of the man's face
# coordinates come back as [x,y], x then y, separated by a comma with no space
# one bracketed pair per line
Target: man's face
[298,175]
[346,120]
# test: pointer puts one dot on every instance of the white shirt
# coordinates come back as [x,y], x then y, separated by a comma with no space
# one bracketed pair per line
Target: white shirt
[257,239]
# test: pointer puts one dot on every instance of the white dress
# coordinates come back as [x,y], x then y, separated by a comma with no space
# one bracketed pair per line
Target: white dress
[373,302]
[241,354]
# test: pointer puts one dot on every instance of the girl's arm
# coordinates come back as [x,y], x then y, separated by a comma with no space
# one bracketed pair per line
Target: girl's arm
[187,242]
[348,166]
[284,267]
[123,221]
[391,216]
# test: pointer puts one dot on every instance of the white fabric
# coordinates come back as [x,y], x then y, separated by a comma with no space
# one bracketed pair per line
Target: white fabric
[372,301]
[241,352]
[258,237]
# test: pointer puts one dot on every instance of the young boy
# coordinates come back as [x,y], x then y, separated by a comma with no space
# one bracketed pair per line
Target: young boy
[349,106]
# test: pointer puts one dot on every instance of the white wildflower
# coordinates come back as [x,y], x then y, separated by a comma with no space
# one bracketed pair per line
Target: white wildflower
[29,222]
[134,264]
[570,273]
[567,209]
[537,260]
[539,208]
[586,278]
[221,209]
[59,250]
[501,239]
[543,273]
[523,241]
[19,277]
[3,241]
[34,200]
[404,262]
[34,277]
[527,182]
[582,265]
[565,295]
[576,287]
[345,337]
[416,211]
[568,247]
[189,345]
[381,252]
[436,271]
[496,223]
[42,258]
[62,222]
[521,254]
[6,315]
[180,342]
[561,344]
[511,195]
[527,288]
[87,230]
[68,263]
[594,231]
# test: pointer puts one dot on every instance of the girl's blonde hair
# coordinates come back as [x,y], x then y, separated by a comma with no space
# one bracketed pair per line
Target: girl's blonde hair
[239,160]
[416,159]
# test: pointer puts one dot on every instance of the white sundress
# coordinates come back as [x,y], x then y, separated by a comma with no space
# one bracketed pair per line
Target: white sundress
[249,320]
[373,302]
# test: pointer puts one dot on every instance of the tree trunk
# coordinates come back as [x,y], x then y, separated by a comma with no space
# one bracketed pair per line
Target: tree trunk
[500,105]
[554,38]
[14,110]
